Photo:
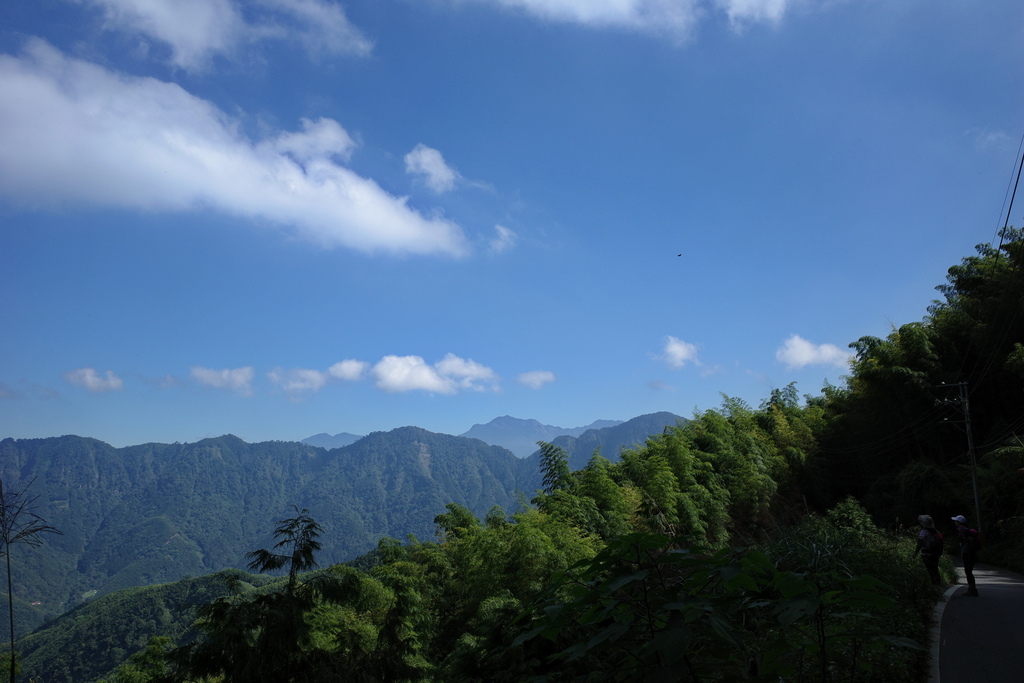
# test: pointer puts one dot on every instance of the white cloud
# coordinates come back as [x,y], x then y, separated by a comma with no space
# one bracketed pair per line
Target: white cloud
[742,12]
[430,164]
[408,373]
[448,376]
[796,352]
[675,19]
[299,380]
[196,30]
[91,380]
[318,139]
[535,379]
[319,25]
[466,374]
[72,132]
[349,370]
[678,353]
[503,239]
[238,380]
[672,18]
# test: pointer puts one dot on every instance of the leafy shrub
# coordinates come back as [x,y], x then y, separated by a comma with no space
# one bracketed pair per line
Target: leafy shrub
[829,599]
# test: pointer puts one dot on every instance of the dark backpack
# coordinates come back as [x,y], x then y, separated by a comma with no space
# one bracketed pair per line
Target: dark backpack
[933,544]
[970,541]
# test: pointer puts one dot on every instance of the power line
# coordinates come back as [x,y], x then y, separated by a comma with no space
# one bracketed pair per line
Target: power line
[1009,209]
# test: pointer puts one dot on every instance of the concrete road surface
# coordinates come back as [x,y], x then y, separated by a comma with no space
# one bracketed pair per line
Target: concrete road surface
[981,640]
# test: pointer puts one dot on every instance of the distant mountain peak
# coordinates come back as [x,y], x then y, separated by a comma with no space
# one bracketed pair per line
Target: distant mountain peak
[521,435]
[329,442]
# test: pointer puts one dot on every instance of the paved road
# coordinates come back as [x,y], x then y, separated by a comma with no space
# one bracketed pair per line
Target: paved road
[981,640]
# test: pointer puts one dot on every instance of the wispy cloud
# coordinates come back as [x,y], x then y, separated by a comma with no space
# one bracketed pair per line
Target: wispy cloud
[393,374]
[675,19]
[677,353]
[238,380]
[75,133]
[744,12]
[796,352]
[89,379]
[429,164]
[194,31]
[299,380]
[987,140]
[448,376]
[349,370]
[535,379]
[503,239]
[8,392]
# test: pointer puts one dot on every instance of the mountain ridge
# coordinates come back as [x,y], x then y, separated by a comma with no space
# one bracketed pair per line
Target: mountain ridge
[521,435]
[153,513]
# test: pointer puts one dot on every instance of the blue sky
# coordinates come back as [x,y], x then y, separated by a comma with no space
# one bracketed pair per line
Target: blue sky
[283,217]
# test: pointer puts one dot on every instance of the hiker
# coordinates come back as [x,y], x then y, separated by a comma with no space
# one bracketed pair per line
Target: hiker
[970,540]
[929,544]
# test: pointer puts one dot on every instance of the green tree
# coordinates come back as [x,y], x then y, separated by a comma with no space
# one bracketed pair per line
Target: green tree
[596,483]
[554,467]
[298,534]
[18,524]
[147,666]
[894,436]
[267,637]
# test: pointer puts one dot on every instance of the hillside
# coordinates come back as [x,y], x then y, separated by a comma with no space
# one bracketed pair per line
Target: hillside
[609,441]
[91,640]
[154,513]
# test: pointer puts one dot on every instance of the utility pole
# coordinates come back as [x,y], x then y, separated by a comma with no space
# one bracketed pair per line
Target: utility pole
[963,402]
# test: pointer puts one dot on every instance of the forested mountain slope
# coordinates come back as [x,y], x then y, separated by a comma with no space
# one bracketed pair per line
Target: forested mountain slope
[157,512]
[95,637]
[609,441]
[394,484]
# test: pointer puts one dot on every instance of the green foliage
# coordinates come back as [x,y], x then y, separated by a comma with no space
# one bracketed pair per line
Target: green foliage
[9,662]
[148,666]
[91,640]
[802,608]
[856,591]
[895,436]
[268,637]
[455,523]
[297,534]
[151,514]
[19,525]
[609,499]
[554,468]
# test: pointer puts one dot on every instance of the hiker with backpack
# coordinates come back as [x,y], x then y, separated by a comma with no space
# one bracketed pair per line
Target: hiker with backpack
[970,542]
[929,545]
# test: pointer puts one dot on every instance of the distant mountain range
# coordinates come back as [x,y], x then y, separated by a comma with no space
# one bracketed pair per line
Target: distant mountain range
[521,436]
[328,442]
[154,513]
[517,435]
